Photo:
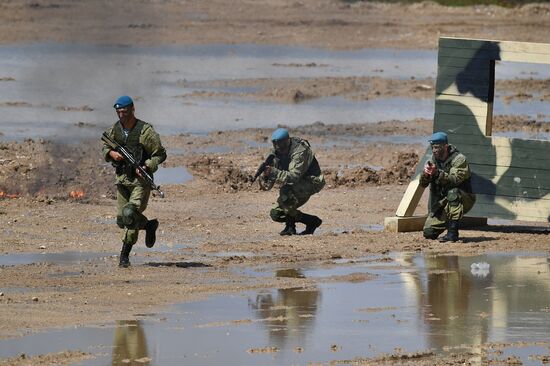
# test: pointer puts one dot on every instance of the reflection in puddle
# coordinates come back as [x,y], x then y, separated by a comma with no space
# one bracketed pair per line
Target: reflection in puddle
[291,273]
[290,315]
[417,302]
[129,344]
[177,175]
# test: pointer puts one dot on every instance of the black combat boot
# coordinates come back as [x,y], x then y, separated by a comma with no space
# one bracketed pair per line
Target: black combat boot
[125,256]
[452,232]
[290,228]
[312,223]
[151,232]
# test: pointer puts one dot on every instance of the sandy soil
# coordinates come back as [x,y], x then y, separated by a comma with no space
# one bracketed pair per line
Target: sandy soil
[313,23]
[222,212]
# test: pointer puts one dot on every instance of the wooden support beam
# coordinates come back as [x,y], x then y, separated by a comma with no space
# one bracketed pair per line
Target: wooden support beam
[396,224]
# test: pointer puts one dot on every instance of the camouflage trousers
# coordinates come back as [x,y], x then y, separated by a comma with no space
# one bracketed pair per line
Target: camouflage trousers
[132,201]
[293,196]
[452,210]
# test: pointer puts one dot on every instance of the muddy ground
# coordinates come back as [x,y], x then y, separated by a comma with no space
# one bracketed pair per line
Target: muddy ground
[219,211]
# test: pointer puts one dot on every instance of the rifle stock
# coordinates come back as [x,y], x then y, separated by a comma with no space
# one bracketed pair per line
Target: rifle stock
[131,161]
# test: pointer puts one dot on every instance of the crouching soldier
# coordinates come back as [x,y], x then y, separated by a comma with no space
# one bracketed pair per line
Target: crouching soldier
[297,169]
[448,175]
[141,140]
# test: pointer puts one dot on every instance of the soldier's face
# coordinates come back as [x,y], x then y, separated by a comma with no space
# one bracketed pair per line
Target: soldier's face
[282,146]
[440,151]
[125,113]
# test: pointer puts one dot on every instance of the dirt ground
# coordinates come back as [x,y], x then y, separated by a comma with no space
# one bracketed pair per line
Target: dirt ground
[219,211]
[329,24]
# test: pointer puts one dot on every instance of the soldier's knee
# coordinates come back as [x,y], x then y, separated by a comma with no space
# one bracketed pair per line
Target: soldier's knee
[454,197]
[120,222]
[129,216]
[277,215]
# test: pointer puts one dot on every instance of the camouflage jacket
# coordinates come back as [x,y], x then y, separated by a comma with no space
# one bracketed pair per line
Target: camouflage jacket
[143,142]
[300,163]
[452,173]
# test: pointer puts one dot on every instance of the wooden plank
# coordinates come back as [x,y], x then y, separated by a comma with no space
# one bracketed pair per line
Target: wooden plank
[495,212]
[480,90]
[503,146]
[469,100]
[482,55]
[451,67]
[463,63]
[510,192]
[452,72]
[461,110]
[414,191]
[452,127]
[404,224]
[446,121]
[504,162]
[498,207]
[489,52]
[538,207]
[525,57]
[509,46]
[410,199]
[459,129]
[508,177]
[479,66]
[471,78]
[523,173]
[416,223]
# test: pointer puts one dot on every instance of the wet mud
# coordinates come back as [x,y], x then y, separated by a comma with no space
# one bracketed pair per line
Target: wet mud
[220,277]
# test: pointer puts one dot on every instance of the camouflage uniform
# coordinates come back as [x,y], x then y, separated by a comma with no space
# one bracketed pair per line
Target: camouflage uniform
[300,176]
[133,192]
[450,193]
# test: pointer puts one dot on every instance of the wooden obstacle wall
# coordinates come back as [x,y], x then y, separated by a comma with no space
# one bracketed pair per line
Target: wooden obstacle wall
[511,177]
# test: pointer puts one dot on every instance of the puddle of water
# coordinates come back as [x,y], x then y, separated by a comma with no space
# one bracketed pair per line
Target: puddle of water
[53,258]
[53,100]
[177,175]
[435,303]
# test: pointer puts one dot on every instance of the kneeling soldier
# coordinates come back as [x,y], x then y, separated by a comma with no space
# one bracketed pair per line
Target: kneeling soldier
[141,140]
[297,169]
[448,175]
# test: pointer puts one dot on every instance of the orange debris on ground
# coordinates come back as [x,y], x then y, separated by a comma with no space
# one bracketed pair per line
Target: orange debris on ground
[76,194]
[8,195]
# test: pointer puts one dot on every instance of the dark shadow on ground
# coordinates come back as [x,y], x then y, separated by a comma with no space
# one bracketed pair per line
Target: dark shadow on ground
[515,229]
[476,239]
[177,264]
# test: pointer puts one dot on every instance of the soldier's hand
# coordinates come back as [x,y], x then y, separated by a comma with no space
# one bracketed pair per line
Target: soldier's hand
[138,172]
[115,155]
[429,169]
[267,171]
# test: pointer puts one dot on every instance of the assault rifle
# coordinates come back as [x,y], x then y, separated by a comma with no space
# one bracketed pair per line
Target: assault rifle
[129,159]
[268,162]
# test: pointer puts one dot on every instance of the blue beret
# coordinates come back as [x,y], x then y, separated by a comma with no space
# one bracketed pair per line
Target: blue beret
[438,138]
[279,134]
[123,101]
